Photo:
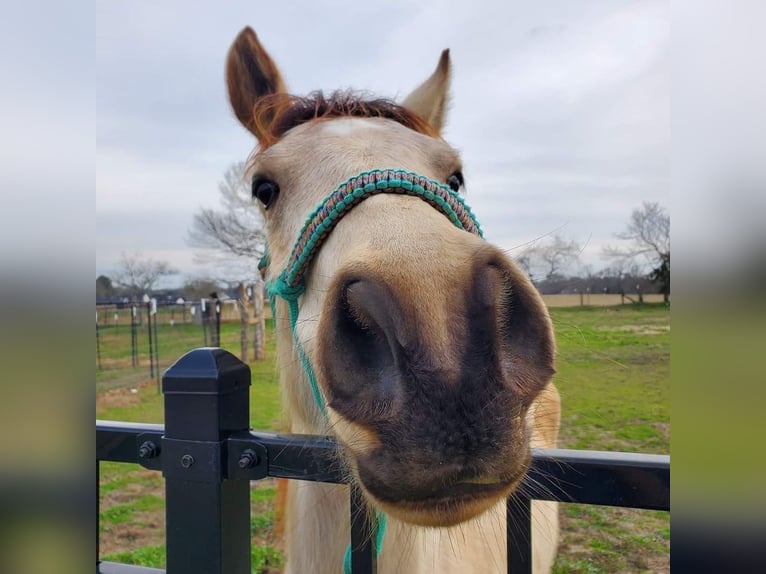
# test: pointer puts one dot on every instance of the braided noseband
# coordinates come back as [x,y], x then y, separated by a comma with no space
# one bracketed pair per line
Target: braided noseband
[291,284]
[355,190]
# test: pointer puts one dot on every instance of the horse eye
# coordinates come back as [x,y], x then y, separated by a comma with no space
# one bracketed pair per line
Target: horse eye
[265,191]
[455,181]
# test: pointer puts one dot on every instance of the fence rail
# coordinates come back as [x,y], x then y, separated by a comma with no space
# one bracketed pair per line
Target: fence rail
[208,456]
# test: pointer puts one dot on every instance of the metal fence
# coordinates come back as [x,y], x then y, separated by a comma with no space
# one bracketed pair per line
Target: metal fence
[136,341]
[208,456]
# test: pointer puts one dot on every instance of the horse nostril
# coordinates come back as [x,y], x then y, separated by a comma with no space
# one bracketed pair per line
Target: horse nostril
[523,334]
[360,363]
[485,304]
[359,303]
[362,336]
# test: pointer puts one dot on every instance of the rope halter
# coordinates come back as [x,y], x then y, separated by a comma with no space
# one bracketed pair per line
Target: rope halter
[350,193]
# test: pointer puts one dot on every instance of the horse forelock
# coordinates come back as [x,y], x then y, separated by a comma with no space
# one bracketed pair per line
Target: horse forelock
[276,114]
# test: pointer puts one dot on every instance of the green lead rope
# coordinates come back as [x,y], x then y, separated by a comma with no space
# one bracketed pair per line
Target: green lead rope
[290,284]
[290,295]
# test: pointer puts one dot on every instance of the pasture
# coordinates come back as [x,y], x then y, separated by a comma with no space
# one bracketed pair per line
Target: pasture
[613,375]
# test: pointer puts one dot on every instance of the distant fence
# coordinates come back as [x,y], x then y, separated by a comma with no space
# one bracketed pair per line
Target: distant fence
[116,314]
[587,299]
[134,341]
[208,456]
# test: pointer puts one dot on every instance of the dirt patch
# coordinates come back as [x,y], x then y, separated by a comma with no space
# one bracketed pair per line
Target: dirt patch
[127,397]
[658,565]
[143,482]
[613,540]
[145,529]
[664,429]
[637,329]
[111,363]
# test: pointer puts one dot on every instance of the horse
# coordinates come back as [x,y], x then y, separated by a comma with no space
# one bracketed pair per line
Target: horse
[401,332]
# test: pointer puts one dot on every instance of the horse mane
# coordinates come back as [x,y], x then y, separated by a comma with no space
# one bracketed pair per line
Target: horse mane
[275,114]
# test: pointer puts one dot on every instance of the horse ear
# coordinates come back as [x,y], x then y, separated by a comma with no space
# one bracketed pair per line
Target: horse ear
[431,98]
[250,75]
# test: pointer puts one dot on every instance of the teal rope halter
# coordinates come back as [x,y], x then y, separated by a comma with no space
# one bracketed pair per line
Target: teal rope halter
[290,283]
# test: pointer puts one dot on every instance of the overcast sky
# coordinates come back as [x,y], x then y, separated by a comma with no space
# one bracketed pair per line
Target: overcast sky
[561,109]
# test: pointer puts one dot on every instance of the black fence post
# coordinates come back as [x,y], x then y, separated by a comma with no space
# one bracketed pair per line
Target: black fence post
[151,343]
[519,534]
[98,511]
[208,517]
[218,324]
[156,344]
[133,336]
[98,346]
[363,543]
[204,311]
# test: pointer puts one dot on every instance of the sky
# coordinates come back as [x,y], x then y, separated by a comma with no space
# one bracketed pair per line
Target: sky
[561,110]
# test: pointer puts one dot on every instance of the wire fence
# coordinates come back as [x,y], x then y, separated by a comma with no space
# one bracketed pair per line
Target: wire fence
[136,342]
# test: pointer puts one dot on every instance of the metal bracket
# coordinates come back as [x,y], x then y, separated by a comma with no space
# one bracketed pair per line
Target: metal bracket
[246,459]
[148,447]
[199,461]
[203,461]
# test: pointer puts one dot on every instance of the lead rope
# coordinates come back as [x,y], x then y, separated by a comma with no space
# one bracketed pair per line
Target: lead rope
[290,284]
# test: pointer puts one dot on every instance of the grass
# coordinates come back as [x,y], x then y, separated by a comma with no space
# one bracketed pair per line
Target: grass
[261,557]
[613,375]
[614,379]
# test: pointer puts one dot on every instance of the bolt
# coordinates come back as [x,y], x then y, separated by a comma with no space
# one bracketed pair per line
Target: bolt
[148,450]
[248,459]
[187,460]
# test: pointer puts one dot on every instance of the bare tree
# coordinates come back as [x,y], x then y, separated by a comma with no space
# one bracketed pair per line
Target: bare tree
[104,287]
[234,233]
[525,262]
[552,257]
[648,234]
[139,275]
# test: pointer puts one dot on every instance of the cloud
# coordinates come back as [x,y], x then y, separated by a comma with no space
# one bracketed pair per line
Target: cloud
[561,110]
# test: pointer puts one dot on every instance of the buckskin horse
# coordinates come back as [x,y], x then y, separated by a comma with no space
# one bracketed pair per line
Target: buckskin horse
[400,331]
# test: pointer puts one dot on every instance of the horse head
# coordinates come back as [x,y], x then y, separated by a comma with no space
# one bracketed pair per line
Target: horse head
[428,348]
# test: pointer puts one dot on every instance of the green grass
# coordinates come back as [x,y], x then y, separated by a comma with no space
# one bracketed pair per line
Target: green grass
[120,513]
[614,378]
[613,375]
[152,556]
[261,557]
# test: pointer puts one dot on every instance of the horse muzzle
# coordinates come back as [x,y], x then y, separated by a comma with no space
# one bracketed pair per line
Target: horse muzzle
[438,383]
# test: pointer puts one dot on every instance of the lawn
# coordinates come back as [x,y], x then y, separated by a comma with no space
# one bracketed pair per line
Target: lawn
[614,378]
